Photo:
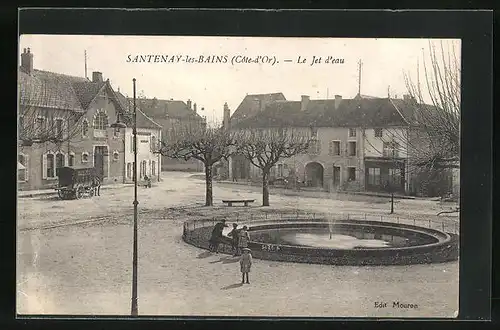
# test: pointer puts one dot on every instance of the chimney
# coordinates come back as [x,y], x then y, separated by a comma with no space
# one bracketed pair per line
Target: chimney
[194,107]
[27,61]
[227,115]
[189,104]
[304,102]
[96,76]
[338,99]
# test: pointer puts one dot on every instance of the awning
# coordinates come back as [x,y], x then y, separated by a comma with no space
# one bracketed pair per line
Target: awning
[20,166]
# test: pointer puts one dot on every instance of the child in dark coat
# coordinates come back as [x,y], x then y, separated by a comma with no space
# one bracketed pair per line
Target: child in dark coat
[245,264]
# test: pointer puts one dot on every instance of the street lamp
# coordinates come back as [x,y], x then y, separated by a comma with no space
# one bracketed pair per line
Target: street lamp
[118,125]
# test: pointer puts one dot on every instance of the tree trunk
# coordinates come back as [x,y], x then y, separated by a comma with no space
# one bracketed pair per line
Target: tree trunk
[208,185]
[265,187]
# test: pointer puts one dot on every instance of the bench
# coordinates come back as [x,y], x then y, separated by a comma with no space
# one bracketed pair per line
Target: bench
[230,202]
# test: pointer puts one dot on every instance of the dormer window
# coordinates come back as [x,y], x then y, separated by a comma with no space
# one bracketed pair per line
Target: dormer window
[352,132]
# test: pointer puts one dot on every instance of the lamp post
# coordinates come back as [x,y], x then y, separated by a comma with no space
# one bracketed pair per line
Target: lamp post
[118,125]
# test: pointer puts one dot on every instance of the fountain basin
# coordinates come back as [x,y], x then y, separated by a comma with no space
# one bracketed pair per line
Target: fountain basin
[353,242]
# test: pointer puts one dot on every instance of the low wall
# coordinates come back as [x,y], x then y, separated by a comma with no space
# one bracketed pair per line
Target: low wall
[443,249]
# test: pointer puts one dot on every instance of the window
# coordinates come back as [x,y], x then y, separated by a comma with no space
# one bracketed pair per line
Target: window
[85,128]
[100,121]
[374,176]
[40,124]
[22,168]
[351,173]
[58,128]
[129,170]
[116,156]
[50,170]
[391,149]
[71,159]
[116,132]
[100,124]
[351,149]
[334,148]
[85,157]
[377,132]
[352,132]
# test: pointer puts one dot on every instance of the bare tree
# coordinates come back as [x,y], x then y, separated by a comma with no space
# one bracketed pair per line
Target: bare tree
[208,145]
[264,148]
[38,121]
[434,137]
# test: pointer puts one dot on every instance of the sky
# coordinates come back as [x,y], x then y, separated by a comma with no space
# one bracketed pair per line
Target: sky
[177,75]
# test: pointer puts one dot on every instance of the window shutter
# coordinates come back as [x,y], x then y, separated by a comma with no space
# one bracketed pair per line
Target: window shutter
[330,148]
[66,160]
[27,170]
[44,166]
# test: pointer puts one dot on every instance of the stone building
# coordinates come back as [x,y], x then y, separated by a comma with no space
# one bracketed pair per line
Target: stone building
[357,144]
[47,97]
[174,115]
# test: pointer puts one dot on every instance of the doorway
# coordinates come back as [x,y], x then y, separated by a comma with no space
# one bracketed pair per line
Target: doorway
[101,161]
[336,175]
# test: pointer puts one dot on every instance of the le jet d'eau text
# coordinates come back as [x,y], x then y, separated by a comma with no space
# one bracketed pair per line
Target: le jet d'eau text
[233,60]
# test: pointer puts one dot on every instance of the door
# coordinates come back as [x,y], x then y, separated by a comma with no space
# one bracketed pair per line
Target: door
[336,175]
[100,161]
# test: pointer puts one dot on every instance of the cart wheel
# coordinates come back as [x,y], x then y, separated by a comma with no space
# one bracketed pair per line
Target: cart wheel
[91,192]
[79,192]
[60,193]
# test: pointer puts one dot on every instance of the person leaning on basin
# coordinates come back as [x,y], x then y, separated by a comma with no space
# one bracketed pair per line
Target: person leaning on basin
[235,238]
[216,237]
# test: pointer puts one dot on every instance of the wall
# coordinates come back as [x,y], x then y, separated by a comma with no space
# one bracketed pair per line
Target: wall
[77,145]
[298,163]
[144,151]
[374,146]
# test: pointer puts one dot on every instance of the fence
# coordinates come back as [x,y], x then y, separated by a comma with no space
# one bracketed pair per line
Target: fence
[446,224]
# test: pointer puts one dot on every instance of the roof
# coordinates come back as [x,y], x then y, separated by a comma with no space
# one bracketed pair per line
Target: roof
[168,109]
[86,91]
[250,105]
[51,90]
[357,112]
[60,91]
[143,120]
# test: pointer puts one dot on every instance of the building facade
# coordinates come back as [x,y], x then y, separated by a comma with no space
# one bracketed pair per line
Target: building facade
[358,144]
[173,116]
[45,100]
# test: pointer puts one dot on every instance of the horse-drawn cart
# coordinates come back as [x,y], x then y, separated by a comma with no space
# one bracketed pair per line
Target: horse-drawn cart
[74,183]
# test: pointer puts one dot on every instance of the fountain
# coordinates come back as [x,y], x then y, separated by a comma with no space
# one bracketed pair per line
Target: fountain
[348,242]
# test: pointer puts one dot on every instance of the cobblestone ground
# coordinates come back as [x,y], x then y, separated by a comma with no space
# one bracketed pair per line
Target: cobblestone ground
[85,268]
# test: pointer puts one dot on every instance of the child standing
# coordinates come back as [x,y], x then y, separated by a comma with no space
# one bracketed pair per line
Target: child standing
[245,264]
